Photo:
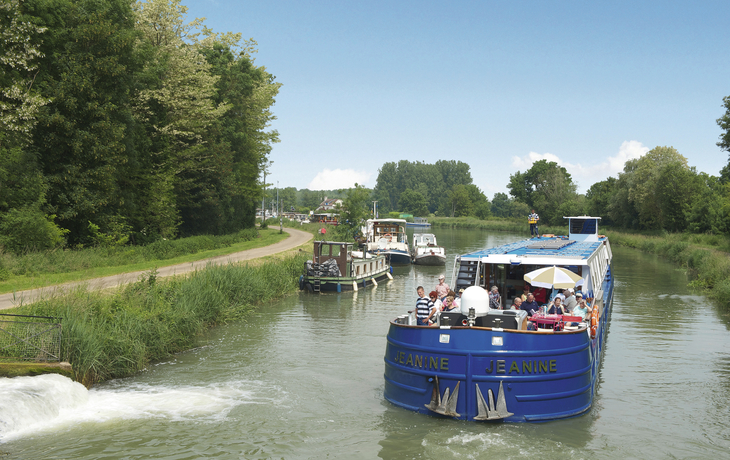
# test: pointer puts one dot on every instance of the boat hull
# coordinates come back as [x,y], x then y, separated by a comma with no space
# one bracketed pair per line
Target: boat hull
[539,376]
[395,257]
[429,259]
[342,284]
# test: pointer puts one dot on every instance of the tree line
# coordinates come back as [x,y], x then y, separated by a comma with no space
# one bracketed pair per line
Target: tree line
[123,121]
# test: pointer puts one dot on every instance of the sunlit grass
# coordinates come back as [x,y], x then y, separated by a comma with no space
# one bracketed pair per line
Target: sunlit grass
[47,269]
[112,335]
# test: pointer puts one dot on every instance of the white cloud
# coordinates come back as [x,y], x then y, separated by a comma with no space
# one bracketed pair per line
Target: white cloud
[331,179]
[585,176]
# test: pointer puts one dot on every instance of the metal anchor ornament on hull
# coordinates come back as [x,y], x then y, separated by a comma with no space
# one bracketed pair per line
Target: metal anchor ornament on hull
[489,412]
[447,404]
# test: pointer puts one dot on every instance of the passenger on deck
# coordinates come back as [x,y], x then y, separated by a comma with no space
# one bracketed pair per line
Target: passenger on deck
[540,295]
[517,303]
[449,303]
[457,298]
[495,300]
[442,289]
[570,300]
[422,308]
[557,307]
[526,291]
[530,305]
[435,304]
[583,309]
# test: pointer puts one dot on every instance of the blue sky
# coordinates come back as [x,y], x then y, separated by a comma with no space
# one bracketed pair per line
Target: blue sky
[495,84]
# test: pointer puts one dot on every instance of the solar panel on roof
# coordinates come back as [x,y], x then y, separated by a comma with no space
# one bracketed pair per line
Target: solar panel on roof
[550,244]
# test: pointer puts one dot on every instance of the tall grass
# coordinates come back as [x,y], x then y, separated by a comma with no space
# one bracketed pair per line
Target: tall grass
[66,261]
[116,335]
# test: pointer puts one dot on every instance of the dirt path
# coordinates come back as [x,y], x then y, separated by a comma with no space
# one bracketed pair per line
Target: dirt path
[296,238]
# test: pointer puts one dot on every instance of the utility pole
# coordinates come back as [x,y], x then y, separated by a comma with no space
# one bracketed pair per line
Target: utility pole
[263,200]
[375,209]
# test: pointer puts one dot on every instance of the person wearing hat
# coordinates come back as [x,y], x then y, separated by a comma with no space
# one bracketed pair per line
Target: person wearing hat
[442,289]
[582,309]
[570,301]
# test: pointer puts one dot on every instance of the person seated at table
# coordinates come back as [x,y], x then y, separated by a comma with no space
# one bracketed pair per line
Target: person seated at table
[517,303]
[557,307]
[530,305]
[583,309]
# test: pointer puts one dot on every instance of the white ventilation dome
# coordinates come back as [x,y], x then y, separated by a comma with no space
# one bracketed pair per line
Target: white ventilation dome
[477,298]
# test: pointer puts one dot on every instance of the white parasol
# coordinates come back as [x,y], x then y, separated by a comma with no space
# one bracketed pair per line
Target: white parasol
[552,277]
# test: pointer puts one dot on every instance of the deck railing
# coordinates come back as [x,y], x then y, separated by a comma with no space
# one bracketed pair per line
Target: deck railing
[30,338]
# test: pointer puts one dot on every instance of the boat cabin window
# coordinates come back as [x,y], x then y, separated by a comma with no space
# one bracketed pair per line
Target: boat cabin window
[583,226]
[336,251]
[324,250]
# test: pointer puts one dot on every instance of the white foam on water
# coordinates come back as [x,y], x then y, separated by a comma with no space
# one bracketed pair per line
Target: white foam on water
[31,405]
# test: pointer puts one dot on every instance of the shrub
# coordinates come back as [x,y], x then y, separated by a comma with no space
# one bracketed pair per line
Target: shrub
[24,229]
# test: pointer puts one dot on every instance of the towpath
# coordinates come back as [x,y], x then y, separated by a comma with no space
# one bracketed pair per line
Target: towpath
[296,238]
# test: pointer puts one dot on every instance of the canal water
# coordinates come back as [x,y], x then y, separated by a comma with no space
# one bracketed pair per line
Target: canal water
[303,378]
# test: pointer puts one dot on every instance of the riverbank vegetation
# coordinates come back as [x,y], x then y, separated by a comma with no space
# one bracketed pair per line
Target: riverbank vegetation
[34,269]
[124,122]
[113,335]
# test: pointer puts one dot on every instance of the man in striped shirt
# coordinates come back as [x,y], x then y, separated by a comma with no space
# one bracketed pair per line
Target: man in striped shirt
[422,307]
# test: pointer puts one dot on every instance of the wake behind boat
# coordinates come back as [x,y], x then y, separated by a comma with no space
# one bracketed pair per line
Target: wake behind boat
[480,364]
[426,251]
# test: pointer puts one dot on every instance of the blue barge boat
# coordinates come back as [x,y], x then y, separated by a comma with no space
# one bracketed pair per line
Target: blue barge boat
[482,364]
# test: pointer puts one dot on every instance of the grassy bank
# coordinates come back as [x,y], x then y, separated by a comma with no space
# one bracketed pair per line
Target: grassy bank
[39,269]
[116,335]
[705,257]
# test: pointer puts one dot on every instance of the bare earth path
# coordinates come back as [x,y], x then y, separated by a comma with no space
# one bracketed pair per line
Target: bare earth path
[296,238]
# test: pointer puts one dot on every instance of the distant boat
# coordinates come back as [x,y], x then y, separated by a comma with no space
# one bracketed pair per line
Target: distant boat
[419,222]
[388,237]
[336,267]
[425,250]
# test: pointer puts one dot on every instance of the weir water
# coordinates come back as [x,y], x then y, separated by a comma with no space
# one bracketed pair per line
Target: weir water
[303,378]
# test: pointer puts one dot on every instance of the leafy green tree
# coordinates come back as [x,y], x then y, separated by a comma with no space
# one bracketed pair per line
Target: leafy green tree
[353,212]
[547,188]
[19,54]
[706,214]
[82,138]
[460,202]
[724,143]
[481,208]
[599,199]
[413,202]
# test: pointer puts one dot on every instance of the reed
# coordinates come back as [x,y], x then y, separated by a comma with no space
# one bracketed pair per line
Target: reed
[116,335]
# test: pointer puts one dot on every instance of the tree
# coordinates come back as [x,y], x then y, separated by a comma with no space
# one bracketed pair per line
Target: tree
[353,211]
[546,187]
[724,143]
[413,202]
[460,202]
[599,199]
[643,191]
[83,137]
